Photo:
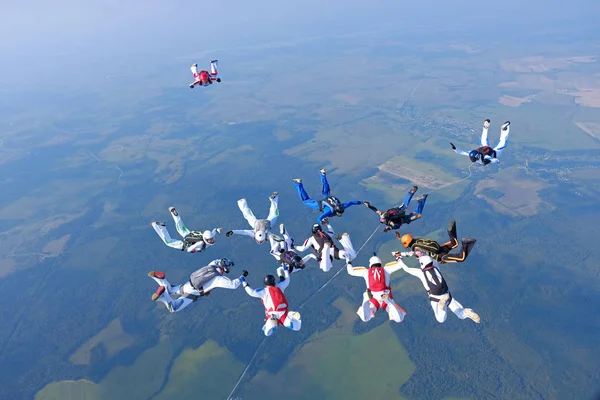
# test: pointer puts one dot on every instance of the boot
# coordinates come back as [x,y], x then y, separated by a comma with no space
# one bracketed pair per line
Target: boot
[472,315]
[156,274]
[452,230]
[158,293]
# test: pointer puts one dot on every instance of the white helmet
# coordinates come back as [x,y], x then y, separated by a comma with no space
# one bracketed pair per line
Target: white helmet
[208,237]
[425,261]
[374,260]
[259,237]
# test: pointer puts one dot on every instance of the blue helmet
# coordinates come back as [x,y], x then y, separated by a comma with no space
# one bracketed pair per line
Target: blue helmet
[473,155]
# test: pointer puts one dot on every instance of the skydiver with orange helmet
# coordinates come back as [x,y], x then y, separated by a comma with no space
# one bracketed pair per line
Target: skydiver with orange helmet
[260,227]
[440,253]
[193,241]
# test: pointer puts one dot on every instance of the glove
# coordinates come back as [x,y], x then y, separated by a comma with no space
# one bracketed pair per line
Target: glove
[219,230]
[453,146]
[361,202]
[387,228]
[229,233]
[325,221]
[245,273]
[286,268]
[242,279]
[366,203]
[398,235]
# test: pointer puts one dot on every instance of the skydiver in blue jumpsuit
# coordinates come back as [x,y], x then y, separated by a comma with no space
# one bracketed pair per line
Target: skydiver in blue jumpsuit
[329,205]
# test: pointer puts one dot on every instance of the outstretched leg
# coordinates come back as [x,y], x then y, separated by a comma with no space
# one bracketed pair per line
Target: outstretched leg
[462,312]
[273,210]
[395,312]
[194,69]
[348,253]
[367,310]
[293,321]
[484,133]
[453,243]
[503,142]
[408,197]
[181,228]
[304,197]
[214,68]
[247,212]
[162,231]
[325,191]
[467,246]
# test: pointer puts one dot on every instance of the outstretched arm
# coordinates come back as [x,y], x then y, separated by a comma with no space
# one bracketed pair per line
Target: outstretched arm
[394,266]
[258,293]
[459,151]
[372,208]
[418,273]
[352,203]
[307,243]
[284,283]
[356,271]
[326,214]
[244,232]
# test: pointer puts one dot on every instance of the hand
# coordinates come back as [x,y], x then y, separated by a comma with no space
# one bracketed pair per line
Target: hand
[453,146]
[366,203]
[361,202]
[244,273]
[398,235]
[229,233]
[397,255]
[387,228]
[219,230]
[242,279]
[286,268]
[325,221]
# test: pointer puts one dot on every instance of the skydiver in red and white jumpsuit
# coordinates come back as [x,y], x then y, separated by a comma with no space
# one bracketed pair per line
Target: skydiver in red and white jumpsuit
[379,292]
[275,303]
[205,78]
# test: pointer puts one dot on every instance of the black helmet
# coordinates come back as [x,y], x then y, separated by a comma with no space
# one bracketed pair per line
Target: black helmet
[316,228]
[339,210]
[270,280]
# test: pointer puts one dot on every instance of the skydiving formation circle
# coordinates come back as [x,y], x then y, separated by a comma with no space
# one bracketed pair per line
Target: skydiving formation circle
[323,248]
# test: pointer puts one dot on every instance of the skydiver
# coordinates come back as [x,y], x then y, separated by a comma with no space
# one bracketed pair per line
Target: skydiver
[329,205]
[193,241]
[395,217]
[325,249]
[485,154]
[201,283]
[260,227]
[205,78]
[440,253]
[379,292]
[275,303]
[437,289]
[283,250]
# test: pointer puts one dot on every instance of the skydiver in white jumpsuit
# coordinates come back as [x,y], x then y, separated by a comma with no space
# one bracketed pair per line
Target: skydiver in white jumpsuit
[193,241]
[201,283]
[437,289]
[260,227]
[486,154]
[325,249]
[275,303]
[379,291]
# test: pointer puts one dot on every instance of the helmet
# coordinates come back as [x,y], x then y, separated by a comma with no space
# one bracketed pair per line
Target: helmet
[406,239]
[270,280]
[473,155]
[316,228]
[374,262]
[259,237]
[297,262]
[425,261]
[339,210]
[208,237]
[225,264]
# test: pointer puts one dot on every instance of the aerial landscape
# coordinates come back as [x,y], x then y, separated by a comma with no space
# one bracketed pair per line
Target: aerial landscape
[100,134]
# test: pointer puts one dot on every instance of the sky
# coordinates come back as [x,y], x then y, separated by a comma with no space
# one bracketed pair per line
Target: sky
[50,41]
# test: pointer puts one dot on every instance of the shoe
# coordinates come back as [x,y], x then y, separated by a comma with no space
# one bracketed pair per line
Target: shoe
[472,315]
[414,189]
[159,223]
[452,229]
[191,86]
[282,229]
[173,211]
[322,171]
[486,124]
[505,125]
[195,65]
[295,315]
[423,197]
[297,180]
[443,301]
[213,61]
[273,195]
[158,293]
[156,274]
